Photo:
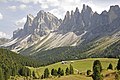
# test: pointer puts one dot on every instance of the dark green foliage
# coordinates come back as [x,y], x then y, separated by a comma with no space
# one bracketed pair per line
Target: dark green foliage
[55,72]
[6,74]
[58,54]
[97,71]
[118,65]
[14,64]
[71,69]
[1,74]
[88,72]
[42,77]
[52,72]
[112,51]
[97,62]
[59,71]
[67,71]
[62,72]
[110,66]
[46,73]
[33,74]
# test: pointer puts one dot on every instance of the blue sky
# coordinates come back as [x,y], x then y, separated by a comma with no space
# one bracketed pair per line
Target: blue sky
[13,12]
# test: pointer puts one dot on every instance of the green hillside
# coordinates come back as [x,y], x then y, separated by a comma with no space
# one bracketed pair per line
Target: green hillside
[79,65]
[99,48]
[12,64]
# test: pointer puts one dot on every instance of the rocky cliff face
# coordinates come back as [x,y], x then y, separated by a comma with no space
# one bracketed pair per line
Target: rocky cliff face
[45,31]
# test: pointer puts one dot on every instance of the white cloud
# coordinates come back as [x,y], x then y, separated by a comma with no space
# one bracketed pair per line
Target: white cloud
[1,16]
[12,8]
[3,35]
[20,23]
[22,6]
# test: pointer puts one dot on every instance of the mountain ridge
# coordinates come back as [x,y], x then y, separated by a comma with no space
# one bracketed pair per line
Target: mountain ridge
[46,31]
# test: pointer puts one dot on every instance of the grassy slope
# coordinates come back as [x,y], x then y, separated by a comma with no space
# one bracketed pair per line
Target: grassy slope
[81,65]
[102,44]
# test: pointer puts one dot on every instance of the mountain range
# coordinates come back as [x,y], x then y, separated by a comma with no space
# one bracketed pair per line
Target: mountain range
[78,29]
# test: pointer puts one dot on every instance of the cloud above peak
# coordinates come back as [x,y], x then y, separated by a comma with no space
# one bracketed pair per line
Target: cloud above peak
[3,35]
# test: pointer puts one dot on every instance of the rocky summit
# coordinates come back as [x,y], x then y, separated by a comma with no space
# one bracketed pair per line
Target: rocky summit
[46,31]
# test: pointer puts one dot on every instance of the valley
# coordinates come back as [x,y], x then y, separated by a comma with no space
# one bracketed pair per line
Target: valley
[83,45]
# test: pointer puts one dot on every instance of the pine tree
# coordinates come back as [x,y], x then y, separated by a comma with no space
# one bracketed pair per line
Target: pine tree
[46,73]
[14,71]
[67,71]
[71,69]
[6,74]
[28,72]
[97,62]
[33,74]
[59,71]
[55,72]
[110,66]
[52,72]
[42,77]
[97,71]
[62,72]
[1,74]
[118,65]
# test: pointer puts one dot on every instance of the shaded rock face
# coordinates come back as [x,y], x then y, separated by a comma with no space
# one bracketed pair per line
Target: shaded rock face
[84,25]
[41,25]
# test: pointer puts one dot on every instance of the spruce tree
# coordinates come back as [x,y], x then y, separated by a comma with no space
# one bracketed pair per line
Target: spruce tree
[118,65]
[52,72]
[59,71]
[110,66]
[97,71]
[42,77]
[62,72]
[46,73]
[6,74]
[33,74]
[67,71]
[1,74]
[55,72]
[97,62]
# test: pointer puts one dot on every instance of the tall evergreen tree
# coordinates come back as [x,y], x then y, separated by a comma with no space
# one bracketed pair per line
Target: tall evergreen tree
[6,74]
[71,69]
[110,66]
[1,74]
[97,71]
[52,72]
[67,71]
[118,65]
[97,62]
[59,71]
[55,72]
[33,74]
[46,73]
[62,72]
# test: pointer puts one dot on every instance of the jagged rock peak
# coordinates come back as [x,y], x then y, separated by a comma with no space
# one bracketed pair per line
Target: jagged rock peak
[116,7]
[86,7]
[67,14]
[41,13]
[76,10]
[104,12]
[30,16]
